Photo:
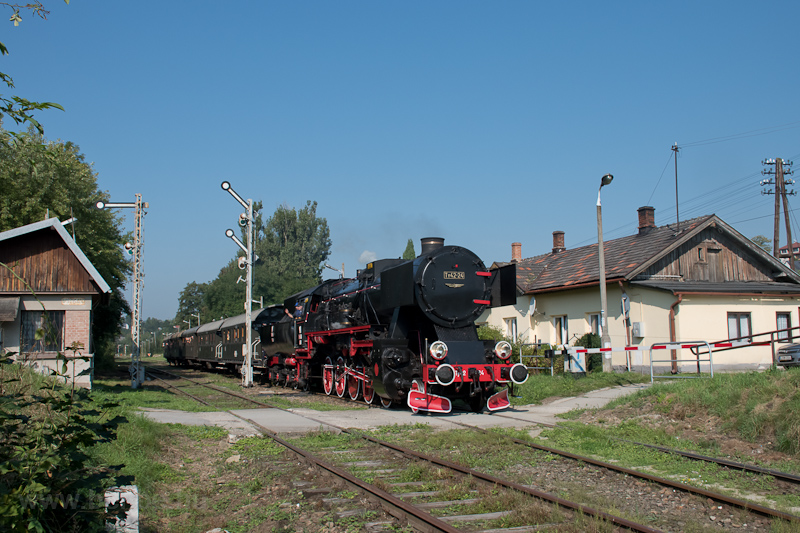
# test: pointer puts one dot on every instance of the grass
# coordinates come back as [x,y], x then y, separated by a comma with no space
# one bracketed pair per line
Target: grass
[752,405]
[541,386]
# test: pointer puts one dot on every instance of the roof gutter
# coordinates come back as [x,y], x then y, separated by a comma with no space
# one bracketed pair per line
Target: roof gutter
[576,286]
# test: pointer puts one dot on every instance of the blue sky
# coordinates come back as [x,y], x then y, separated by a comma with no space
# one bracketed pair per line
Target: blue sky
[485,123]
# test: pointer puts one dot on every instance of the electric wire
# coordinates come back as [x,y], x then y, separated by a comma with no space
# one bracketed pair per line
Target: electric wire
[744,135]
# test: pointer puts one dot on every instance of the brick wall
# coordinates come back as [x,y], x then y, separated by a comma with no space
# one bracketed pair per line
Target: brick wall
[77,328]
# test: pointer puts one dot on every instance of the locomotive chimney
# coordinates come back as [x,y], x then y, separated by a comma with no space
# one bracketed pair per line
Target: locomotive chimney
[647,219]
[516,252]
[558,242]
[429,244]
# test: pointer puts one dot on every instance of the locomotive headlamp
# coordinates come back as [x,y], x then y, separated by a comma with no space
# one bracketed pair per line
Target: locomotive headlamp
[438,350]
[502,350]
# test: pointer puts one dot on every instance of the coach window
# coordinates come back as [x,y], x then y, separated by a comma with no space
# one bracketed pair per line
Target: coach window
[784,321]
[738,325]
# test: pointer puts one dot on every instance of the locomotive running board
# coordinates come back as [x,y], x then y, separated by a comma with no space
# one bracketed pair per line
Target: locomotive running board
[428,402]
[498,401]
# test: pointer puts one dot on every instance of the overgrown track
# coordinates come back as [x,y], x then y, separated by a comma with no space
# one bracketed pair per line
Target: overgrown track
[782,476]
[414,514]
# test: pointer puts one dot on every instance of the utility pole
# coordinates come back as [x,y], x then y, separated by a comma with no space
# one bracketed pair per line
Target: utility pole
[782,168]
[677,212]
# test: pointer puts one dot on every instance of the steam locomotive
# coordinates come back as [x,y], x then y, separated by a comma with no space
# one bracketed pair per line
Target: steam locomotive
[401,331]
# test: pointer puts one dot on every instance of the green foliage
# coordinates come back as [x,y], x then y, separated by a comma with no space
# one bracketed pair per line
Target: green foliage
[17,108]
[40,177]
[763,242]
[292,246]
[48,480]
[409,252]
[594,362]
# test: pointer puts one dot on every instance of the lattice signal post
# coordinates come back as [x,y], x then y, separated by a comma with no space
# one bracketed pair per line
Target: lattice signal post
[135,249]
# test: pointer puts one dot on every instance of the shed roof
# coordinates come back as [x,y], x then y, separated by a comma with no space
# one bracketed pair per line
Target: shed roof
[55,224]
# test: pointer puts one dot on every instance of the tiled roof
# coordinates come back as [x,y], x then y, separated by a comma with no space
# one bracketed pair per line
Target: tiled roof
[623,256]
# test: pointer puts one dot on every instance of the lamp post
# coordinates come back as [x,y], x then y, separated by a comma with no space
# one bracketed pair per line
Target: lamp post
[198,317]
[246,221]
[135,249]
[605,339]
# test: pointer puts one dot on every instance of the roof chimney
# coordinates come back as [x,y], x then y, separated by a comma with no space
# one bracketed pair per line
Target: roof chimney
[647,219]
[558,242]
[516,252]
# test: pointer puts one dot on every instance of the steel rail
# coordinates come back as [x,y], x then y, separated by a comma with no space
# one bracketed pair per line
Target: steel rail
[783,476]
[624,522]
[209,385]
[401,506]
[777,474]
[760,509]
[391,504]
[388,502]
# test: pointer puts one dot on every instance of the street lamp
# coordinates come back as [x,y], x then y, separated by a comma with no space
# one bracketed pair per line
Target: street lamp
[605,339]
[246,262]
[198,317]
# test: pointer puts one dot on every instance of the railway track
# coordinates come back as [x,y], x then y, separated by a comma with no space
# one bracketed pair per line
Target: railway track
[485,486]
[644,477]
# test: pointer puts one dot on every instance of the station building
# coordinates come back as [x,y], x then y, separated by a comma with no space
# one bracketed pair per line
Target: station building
[701,281]
[48,289]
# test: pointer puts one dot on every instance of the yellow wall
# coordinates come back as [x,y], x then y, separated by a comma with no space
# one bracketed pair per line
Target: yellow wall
[698,318]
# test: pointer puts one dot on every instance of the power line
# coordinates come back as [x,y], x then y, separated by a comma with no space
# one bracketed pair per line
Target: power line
[744,135]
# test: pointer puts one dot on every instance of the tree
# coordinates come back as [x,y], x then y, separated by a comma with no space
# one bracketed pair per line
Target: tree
[763,242]
[40,177]
[409,253]
[294,247]
[17,108]
[191,301]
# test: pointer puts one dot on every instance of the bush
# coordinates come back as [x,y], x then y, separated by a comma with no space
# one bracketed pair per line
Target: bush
[594,362]
[48,481]
[486,332]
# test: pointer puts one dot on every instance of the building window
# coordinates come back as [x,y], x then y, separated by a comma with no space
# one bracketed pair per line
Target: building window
[738,325]
[560,326]
[594,324]
[511,328]
[701,256]
[784,321]
[50,328]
